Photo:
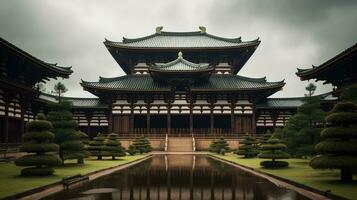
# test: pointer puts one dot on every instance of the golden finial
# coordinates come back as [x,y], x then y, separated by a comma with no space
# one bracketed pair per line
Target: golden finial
[202,29]
[159,29]
[180,54]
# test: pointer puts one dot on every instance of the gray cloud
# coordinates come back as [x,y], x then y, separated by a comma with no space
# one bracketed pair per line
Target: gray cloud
[293,33]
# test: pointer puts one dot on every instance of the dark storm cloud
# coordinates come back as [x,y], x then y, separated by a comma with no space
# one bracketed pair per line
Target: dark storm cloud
[294,34]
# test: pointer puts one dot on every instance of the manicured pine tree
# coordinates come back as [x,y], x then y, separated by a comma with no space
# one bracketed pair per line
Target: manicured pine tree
[219,146]
[112,147]
[265,137]
[132,150]
[38,142]
[142,145]
[338,150]
[248,147]
[83,137]
[273,149]
[66,136]
[96,146]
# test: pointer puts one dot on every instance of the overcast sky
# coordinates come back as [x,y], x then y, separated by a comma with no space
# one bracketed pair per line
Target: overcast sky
[296,33]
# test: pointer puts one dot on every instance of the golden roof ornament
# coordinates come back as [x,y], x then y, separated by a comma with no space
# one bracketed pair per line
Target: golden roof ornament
[202,29]
[180,54]
[159,29]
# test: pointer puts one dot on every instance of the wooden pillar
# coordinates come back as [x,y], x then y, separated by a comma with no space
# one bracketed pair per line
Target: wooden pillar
[22,123]
[6,123]
[253,122]
[211,117]
[131,125]
[148,119]
[89,117]
[110,119]
[169,119]
[191,119]
[232,119]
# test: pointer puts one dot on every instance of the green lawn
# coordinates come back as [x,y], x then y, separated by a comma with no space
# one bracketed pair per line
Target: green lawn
[300,171]
[11,183]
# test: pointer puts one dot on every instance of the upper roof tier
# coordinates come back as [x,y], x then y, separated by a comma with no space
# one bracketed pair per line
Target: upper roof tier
[181,40]
[198,47]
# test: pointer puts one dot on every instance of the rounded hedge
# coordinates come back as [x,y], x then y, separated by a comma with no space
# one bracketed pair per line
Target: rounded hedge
[33,171]
[339,132]
[276,164]
[39,147]
[344,107]
[333,162]
[39,125]
[270,146]
[40,136]
[274,155]
[337,146]
[342,118]
[38,160]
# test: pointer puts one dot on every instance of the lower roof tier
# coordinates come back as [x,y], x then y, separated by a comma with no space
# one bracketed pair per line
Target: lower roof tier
[145,83]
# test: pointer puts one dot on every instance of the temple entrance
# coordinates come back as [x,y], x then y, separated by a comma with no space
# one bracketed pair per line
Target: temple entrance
[180,125]
[140,124]
[222,124]
[201,124]
[158,124]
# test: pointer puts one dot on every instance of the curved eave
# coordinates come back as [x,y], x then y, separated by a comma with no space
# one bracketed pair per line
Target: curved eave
[60,71]
[157,70]
[86,86]
[121,45]
[310,73]
[277,87]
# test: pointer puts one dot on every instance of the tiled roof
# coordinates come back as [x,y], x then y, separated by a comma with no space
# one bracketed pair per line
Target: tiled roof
[196,39]
[77,102]
[309,73]
[216,82]
[180,65]
[61,71]
[292,102]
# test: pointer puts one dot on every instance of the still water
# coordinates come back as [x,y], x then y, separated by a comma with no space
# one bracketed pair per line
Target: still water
[179,177]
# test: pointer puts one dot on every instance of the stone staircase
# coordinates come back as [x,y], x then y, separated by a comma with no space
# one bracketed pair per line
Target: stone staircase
[180,144]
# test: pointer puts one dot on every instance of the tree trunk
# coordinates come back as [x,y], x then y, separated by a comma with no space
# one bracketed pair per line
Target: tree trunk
[346,174]
[80,161]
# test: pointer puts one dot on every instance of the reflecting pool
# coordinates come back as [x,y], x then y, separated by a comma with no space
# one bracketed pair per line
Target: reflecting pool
[179,177]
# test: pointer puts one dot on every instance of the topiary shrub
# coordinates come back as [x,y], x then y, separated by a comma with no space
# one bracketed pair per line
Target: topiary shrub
[142,145]
[338,150]
[132,150]
[66,136]
[219,146]
[96,146]
[112,147]
[38,143]
[248,147]
[273,149]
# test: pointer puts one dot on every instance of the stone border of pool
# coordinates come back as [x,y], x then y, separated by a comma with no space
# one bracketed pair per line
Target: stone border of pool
[44,191]
[304,190]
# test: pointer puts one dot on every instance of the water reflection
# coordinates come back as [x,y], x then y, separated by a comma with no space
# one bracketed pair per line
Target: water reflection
[179,177]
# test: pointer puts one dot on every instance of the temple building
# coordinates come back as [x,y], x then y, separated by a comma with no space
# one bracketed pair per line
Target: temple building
[186,83]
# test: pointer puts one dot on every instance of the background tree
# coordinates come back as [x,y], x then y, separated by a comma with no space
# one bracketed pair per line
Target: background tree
[142,145]
[338,150]
[96,146]
[38,143]
[59,89]
[273,150]
[248,147]
[302,131]
[112,147]
[66,136]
